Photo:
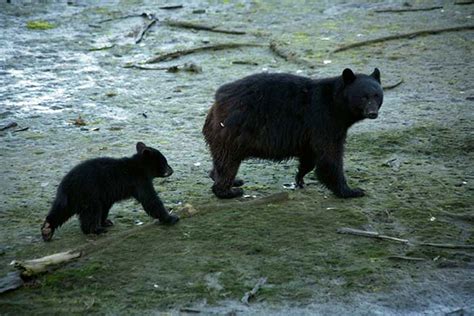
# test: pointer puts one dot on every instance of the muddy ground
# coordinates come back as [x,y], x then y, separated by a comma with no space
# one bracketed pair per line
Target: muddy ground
[415,161]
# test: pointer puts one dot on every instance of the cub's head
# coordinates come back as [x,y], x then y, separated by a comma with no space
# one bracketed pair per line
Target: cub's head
[154,160]
[363,94]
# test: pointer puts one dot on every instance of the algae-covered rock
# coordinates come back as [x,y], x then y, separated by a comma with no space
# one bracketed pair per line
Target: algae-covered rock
[40,25]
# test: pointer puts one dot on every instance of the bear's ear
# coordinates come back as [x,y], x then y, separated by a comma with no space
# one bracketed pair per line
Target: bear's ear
[348,76]
[140,147]
[376,74]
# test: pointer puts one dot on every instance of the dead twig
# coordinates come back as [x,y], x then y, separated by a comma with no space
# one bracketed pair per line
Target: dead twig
[21,129]
[171,7]
[180,53]
[288,55]
[449,246]
[408,9]
[406,258]
[201,27]
[463,2]
[393,86]
[143,32]
[9,125]
[250,294]
[403,35]
[142,15]
[358,232]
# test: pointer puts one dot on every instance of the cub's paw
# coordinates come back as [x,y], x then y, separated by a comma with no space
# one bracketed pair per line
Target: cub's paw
[107,223]
[169,220]
[352,193]
[228,194]
[47,231]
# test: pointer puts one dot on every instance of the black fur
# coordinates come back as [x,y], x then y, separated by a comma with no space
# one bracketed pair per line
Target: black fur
[92,187]
[280,116]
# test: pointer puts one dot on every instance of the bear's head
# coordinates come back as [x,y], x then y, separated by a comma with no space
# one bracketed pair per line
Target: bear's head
[362,94]
[154,161]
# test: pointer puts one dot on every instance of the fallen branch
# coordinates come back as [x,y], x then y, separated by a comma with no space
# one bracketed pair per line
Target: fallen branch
[143,32]
[141,15]
[180,53]
[463,2]
[358,232]
[289,56]
[171,7]
[404,35]
[201,27]
[449,246]
[34,267]
[9,125]
[189,67]
[406,258]
[408,9]
[250,294]
[393,86]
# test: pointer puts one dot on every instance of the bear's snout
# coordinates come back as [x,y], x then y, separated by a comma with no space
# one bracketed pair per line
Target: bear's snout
[372,115]
[168,171]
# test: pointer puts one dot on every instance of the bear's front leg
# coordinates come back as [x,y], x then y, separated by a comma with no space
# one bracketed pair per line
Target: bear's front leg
[224,179]
[152,204]
[331,174]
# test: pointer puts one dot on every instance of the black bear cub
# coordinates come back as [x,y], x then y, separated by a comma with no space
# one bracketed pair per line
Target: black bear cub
[281,116]
[92,187]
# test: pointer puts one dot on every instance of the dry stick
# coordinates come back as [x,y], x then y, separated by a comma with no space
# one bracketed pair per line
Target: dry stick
[406,258]
[147,27]
[408,10]
[189,25]
[393,86]
[288,56]
[404,35]
[171,7]
[248,295]
[358,232]
[180,53]
[143,15]
[463,2]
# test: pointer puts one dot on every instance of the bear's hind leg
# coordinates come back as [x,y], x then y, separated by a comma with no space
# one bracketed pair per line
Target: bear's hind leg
[307,164]
[224,176]
[105,222]
[91,219]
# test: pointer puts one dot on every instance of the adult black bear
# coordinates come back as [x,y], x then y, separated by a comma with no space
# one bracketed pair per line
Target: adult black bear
[280,116]
[92,187]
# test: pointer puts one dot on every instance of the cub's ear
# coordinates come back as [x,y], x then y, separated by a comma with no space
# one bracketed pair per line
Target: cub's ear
[348,76]
[140,147]
[376,74]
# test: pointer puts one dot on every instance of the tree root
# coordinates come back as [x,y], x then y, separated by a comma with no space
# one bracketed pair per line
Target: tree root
[404,35]
[180,53]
